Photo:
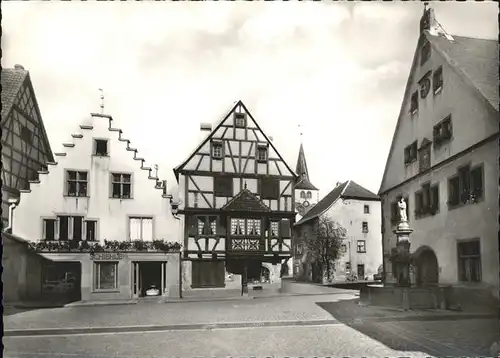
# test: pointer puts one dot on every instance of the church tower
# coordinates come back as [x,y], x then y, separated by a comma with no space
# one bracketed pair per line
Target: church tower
[306,194]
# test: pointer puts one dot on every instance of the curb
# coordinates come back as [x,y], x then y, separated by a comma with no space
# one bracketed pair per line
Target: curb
[98,303]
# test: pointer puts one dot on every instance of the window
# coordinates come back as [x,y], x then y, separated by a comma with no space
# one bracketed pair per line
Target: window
[414,103]
[424,157]
[245,227]
[262,153]
[348,267]
[90,230]
[302,194]
[101,147]
[240,120]
[365,226]
[469,261]
[425,53]
[207,274]
[274,229]
[49,229]
[309,195]
[443,131]
[361,246]
[223,186]
[270,188]
[425,85]
[411,153]
[437,80]
[427,200]
[77,182]
[366,209]
[466,186]
[141,228]
[106,275]
[26,134]
[361,271]
[121,185]
[207,225]
[217,150]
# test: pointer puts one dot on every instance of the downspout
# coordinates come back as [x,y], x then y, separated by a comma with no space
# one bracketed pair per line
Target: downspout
[13,204]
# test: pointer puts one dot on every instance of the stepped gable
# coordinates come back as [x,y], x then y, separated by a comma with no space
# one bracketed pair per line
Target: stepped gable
[161,185]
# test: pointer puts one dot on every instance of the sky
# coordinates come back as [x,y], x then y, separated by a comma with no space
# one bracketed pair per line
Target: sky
[337,69]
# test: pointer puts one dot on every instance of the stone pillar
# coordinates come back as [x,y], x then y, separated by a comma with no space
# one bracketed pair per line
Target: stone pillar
[403,232]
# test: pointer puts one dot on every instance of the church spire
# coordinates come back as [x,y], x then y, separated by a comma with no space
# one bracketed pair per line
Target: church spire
[301,169]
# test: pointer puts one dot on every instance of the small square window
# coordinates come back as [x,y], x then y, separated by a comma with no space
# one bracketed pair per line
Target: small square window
[240,120]
[76,183]
[361,248]
[365,227]
[101,147]
[121,185]
[367,209]
[262,153]
[217,150]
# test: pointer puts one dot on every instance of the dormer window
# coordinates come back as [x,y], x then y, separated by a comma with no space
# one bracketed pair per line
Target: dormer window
[414,103]
[262,153]
[425,53]
[101,147]
[437,80]
[240,120]
[217,150]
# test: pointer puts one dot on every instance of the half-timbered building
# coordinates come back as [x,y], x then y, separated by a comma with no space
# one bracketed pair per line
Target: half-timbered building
[237,198]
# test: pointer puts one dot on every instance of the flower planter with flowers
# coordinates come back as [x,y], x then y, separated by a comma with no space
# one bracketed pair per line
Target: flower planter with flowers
[108,246]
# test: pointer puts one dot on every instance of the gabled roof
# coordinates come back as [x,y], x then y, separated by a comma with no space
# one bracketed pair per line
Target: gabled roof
[346,190]
[305,184]
[246,201]
[233,107]
[12,80]
[474,59]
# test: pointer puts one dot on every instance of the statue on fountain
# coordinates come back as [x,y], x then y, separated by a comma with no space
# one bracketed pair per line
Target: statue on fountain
[402,210]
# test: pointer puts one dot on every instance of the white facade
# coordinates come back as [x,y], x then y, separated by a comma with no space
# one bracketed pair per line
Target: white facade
[91,190]
[305,199]
[362,220]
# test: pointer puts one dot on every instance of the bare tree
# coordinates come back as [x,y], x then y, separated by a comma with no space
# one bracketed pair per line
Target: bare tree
[324,245]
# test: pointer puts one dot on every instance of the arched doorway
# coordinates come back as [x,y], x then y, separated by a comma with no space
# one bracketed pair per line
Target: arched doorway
[427,267]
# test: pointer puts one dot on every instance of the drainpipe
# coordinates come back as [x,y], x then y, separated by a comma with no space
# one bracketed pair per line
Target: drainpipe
[13,203]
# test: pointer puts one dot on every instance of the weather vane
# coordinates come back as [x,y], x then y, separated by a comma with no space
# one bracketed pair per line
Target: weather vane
[102,100]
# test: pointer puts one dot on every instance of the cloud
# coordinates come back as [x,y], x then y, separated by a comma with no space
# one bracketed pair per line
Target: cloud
[339,69]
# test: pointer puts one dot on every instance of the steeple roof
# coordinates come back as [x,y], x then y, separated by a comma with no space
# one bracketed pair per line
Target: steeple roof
[303,182]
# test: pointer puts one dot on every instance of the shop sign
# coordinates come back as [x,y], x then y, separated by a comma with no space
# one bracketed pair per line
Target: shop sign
[106,256]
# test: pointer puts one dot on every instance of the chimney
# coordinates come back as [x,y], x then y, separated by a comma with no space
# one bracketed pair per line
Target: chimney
[338,183]
[205,129]
[18,67]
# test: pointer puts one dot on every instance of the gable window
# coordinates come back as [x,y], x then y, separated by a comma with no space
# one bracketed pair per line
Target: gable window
[443,131]
[427,200]
[217,150]
[270,188]
[466,186]
[106,275]
[302,194]
[262,153]
[76,183]
[365,227]
[207,225]
[240,120]
[245,227]
[121,185]
[424,155]
[101,147]
[309,195]
[425,85]
[469,261]
[26,134]
[437,80]
[411,153]
[361,246]
[141,228]
[223,186]
[414,103]
[425,52]
[366,209]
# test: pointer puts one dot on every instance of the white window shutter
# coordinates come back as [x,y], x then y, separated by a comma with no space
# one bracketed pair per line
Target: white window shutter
[135,229]
[147,229]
